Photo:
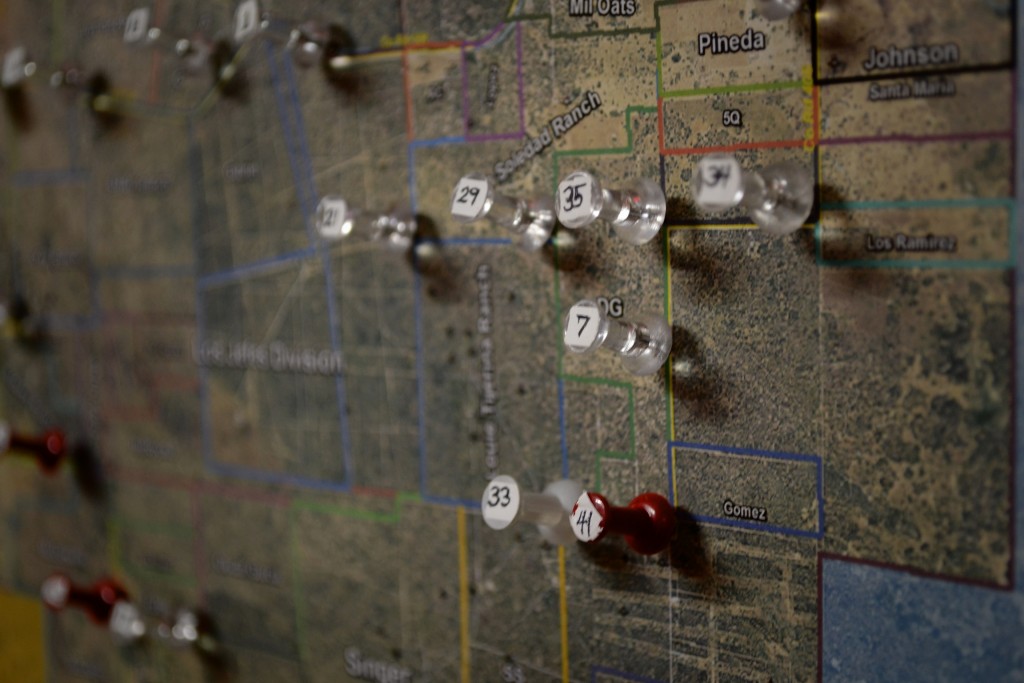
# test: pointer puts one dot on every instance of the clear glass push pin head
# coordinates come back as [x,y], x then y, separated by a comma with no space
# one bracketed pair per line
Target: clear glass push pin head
[182,632]
[635,212]
[531,220]
[504,504]
[17,68]
[643,345]
[194,53]
[126,622]
[189,629]
[779,197]
[306,43]
[336,220]
[248,21]
[137,30]
[396,229]
[777,9]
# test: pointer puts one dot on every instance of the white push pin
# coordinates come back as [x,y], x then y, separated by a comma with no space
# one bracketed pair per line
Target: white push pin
[643,345]
[194,53]
[17,68]
[636,212]
[779,197]
[137,30]
[247,21]
[188,630]
[777,9]
[531,220]
[336,220]
[306,43]
[503,504]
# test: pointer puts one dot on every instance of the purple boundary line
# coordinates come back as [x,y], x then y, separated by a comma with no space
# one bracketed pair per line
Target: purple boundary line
[952,137]
[519,76]
[493,137]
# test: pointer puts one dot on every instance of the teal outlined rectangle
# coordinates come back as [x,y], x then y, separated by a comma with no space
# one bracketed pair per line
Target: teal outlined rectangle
[1006,203]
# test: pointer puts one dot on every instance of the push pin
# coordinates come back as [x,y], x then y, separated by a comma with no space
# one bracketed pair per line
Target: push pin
[17,68]
[189,630]
[531,220]
[779,197]
[644,345]
[18,322]
[329,44]
[335,220]
[636,213]
[137,30]
[504,504]
[48,448]
[648,522]
[194,53]
[777,9]
[248,21]
[106,603]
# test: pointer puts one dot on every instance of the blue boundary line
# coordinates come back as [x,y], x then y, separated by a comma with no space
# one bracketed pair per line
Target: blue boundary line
[332,311]
[253,474]
[411,160]
[771,455]
[255,268]
[301,188]
[195,163]
[1008,204]
[60,176]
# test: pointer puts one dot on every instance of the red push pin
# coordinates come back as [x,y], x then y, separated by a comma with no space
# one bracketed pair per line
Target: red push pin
[106,603]
[47,448]
[648,522]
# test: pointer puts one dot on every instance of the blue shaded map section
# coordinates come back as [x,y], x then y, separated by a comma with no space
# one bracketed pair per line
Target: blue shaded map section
[885,625]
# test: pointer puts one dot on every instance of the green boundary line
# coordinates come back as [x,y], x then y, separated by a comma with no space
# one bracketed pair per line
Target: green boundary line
[116,528]
[298,505]
[558,154]
[601,454]
[57,40]
[714,90]
[728,89]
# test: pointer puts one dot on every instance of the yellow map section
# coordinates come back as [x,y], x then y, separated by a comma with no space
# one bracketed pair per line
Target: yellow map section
[21,639]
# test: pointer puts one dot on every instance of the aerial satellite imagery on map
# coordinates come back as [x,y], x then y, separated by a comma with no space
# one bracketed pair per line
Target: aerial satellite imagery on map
[607,341]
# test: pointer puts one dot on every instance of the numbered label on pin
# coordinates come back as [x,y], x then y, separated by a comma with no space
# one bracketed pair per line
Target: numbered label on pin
[14,67]
[581,325]
[587,522]
[720,182]
[126,622]
[136,25]
[500,502]
[469,197]
[247,18]
[575,200]
[332,218]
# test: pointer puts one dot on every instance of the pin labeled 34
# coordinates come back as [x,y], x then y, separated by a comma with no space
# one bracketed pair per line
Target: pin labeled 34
[778,197]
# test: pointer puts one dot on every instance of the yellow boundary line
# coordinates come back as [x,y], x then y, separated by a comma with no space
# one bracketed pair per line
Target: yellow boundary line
[563,612]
